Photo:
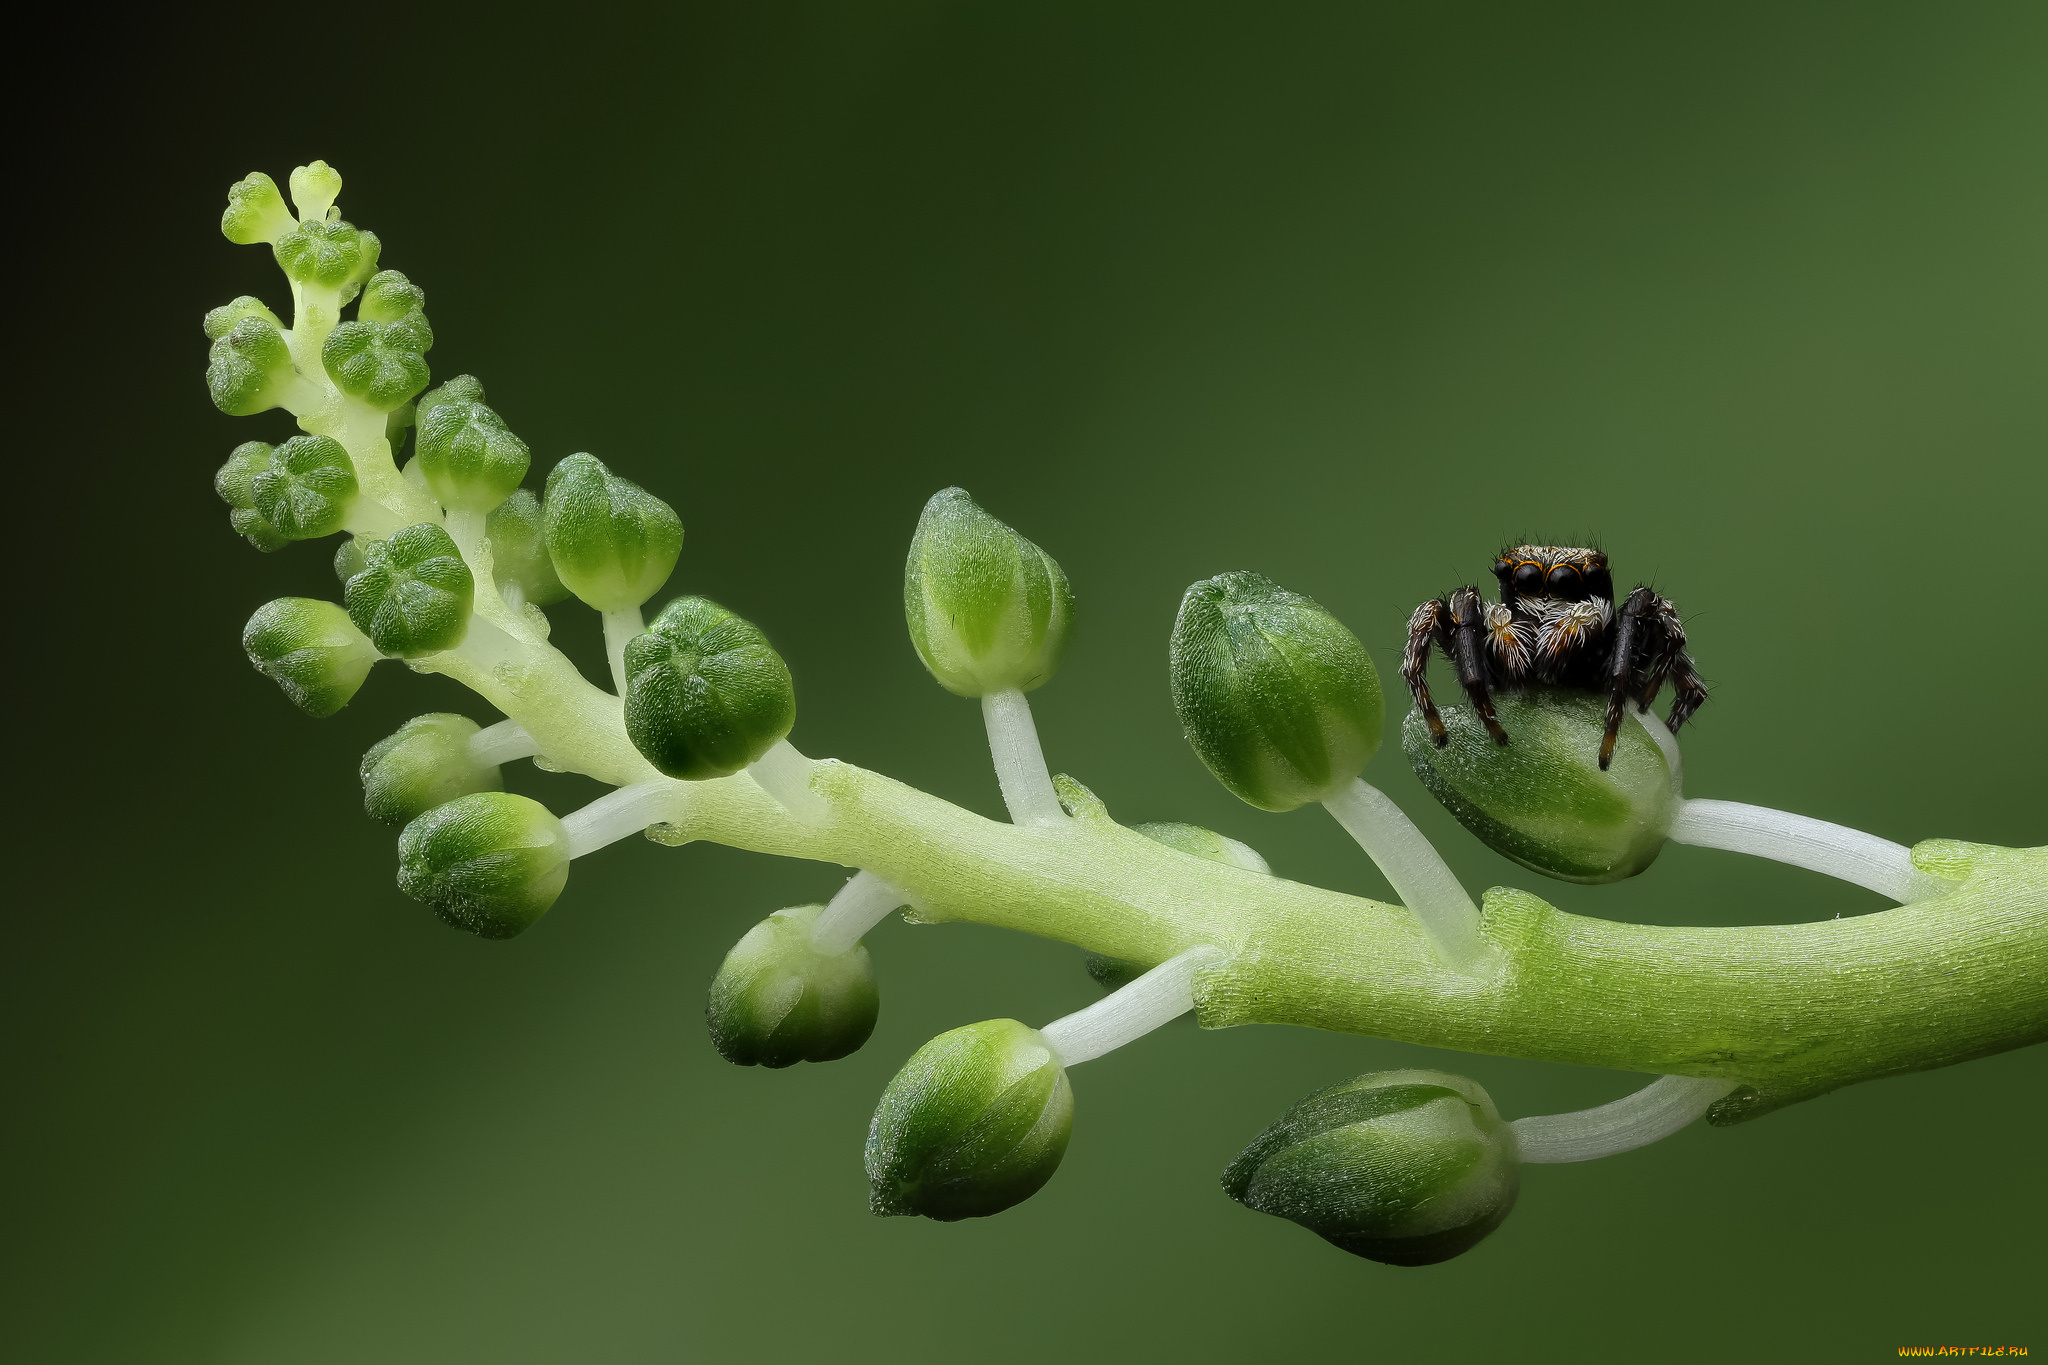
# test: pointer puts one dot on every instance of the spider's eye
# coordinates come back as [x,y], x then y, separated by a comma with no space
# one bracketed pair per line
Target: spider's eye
[1529,578]
[1566,583]
[1501,567]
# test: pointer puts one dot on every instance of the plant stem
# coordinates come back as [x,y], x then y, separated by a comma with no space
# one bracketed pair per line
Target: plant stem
[1653,1113]
[865,901]
[1421,879]
[1159,996]
[1019,762]
[620,626]
[1848,855]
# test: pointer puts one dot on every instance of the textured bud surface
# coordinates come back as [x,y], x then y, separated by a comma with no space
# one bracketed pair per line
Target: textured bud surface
[310,649]
[469,456]
[706,694]
[330,256]
[519,548]
[426,763]
[491,863]
[414,593]
[613,543]
[248,365]
[1541,799]
[382,364]
[777,1000]
[987,609]
[255,211]
[305,488]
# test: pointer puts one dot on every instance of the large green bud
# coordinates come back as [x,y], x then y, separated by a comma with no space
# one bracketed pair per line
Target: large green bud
[987,609]
[311,650]
[1404,1167]
[249,365]
[706,694]
[380,364]
[469,457]
[519,549]
[306,489]
[425,764]
[414,592]
[976,1121]
[777,1000]
[1543,800]
[255,211]
[236,484]
[335,257]
[491,862]
[1275,695]
[613,543]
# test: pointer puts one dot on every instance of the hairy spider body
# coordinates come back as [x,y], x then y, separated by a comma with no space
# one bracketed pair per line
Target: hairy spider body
[1555,624]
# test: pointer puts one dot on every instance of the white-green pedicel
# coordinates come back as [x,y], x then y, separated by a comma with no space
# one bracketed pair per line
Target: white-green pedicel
[491,863]
[988,611]
[777,1000]
[613,542]
[424,764]
[706,694]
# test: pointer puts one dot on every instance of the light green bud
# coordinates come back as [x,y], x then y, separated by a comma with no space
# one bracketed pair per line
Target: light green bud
[235,484]
[463,388]
[311,650]
[613,542]
[255,211]
[425,764]
[777,1000]
[467,454]
[1112,973]
[1403,1167]
[220,321]
[490,862]
[351,557]
[975,1122]
[414,593]
[390,296]
[249,366]
[335,256]
[519,548]
[1274,694]
[382,364]
[987,609]
[314,189]
[1541,799]
[307,488]
[706,694]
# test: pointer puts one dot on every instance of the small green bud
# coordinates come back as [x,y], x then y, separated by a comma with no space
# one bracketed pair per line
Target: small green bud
[706,694]
[351,557]
[307,489]
[1403,1167]
[613,542]
[255,211]
[490,862]
[334,256]
[382,364]
[1113,973]
[519,548]
[467,454]
[390,296]
[777,1000]
[311,650]
[414,593]
[424,765]
[1275,695]
[1541,799]
[220,321]
[235,485]
[249,366]
[314,189]
[987,609]
[975,1122]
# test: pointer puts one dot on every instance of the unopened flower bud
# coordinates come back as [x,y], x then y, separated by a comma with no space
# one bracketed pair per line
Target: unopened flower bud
[235,483]
[706,694]
[519,549]
[425,764]
[333,257]
[1541,799]
[975,1122]
[306,489]
[310,649]
[249,366]
[469,457]
[1275,695]
[613,543]
[381,364]
[491,862]
[414,592]
[1403,1167]
[255,211]
[988,611]
[777,1000]
[315,187]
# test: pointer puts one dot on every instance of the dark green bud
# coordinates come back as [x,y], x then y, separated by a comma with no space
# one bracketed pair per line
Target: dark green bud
[777,1000]
[988,610]
[311,650]
[468,456]
[390,297]
[307,488]
[414,593]
[1111,973]
[706,694]
[220,321]
[463,388]
[255,211]
[490,862]
[1541,799]
[425,764]
[235,483]
[336,257]
[975,1122]
[613,542]
[382,364]
[249,366]
[519,549]
[1274,694]
[1403,1167]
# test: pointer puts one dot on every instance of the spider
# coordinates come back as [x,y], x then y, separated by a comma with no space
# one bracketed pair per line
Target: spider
[1555,623]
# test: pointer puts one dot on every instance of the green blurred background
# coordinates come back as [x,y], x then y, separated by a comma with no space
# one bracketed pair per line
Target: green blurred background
[1755,294]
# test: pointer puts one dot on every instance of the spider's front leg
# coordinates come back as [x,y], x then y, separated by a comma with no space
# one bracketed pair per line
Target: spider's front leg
[1429,622]
[1649,626]
[1688,689]
[1635,627]
[1467,625]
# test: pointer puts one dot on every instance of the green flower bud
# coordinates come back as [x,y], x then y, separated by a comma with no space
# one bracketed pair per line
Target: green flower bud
[424,765]
[311,650]
[987,609]
[706,694]
[1541,799]
[414,593]
[976,1121]
[490,862]
[307,488]
[613,542]
[333,256]
[468,456]
[351,557]
[235,484]
[1404,1167]
[382,364]
[1111,973]
[389,297]
[463,388]
[255,211]
[519,548]
[777,1000]
[220,321]
[1275,695]
[314,189]
[249,366]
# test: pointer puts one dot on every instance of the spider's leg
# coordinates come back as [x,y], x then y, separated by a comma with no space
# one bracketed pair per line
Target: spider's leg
[1636,627]
[1689,690]
[1468,621]
[1429,620]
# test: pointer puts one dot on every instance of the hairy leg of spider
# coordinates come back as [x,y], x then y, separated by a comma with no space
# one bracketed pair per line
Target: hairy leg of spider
[1468,615]
[1635,630]
[1688,689]
[1429,618]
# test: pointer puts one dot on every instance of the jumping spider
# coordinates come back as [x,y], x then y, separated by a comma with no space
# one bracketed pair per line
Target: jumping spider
[1555,623]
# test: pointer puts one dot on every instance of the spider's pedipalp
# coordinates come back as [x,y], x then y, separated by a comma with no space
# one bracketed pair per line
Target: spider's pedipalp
[1467,622]
[1426,624]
